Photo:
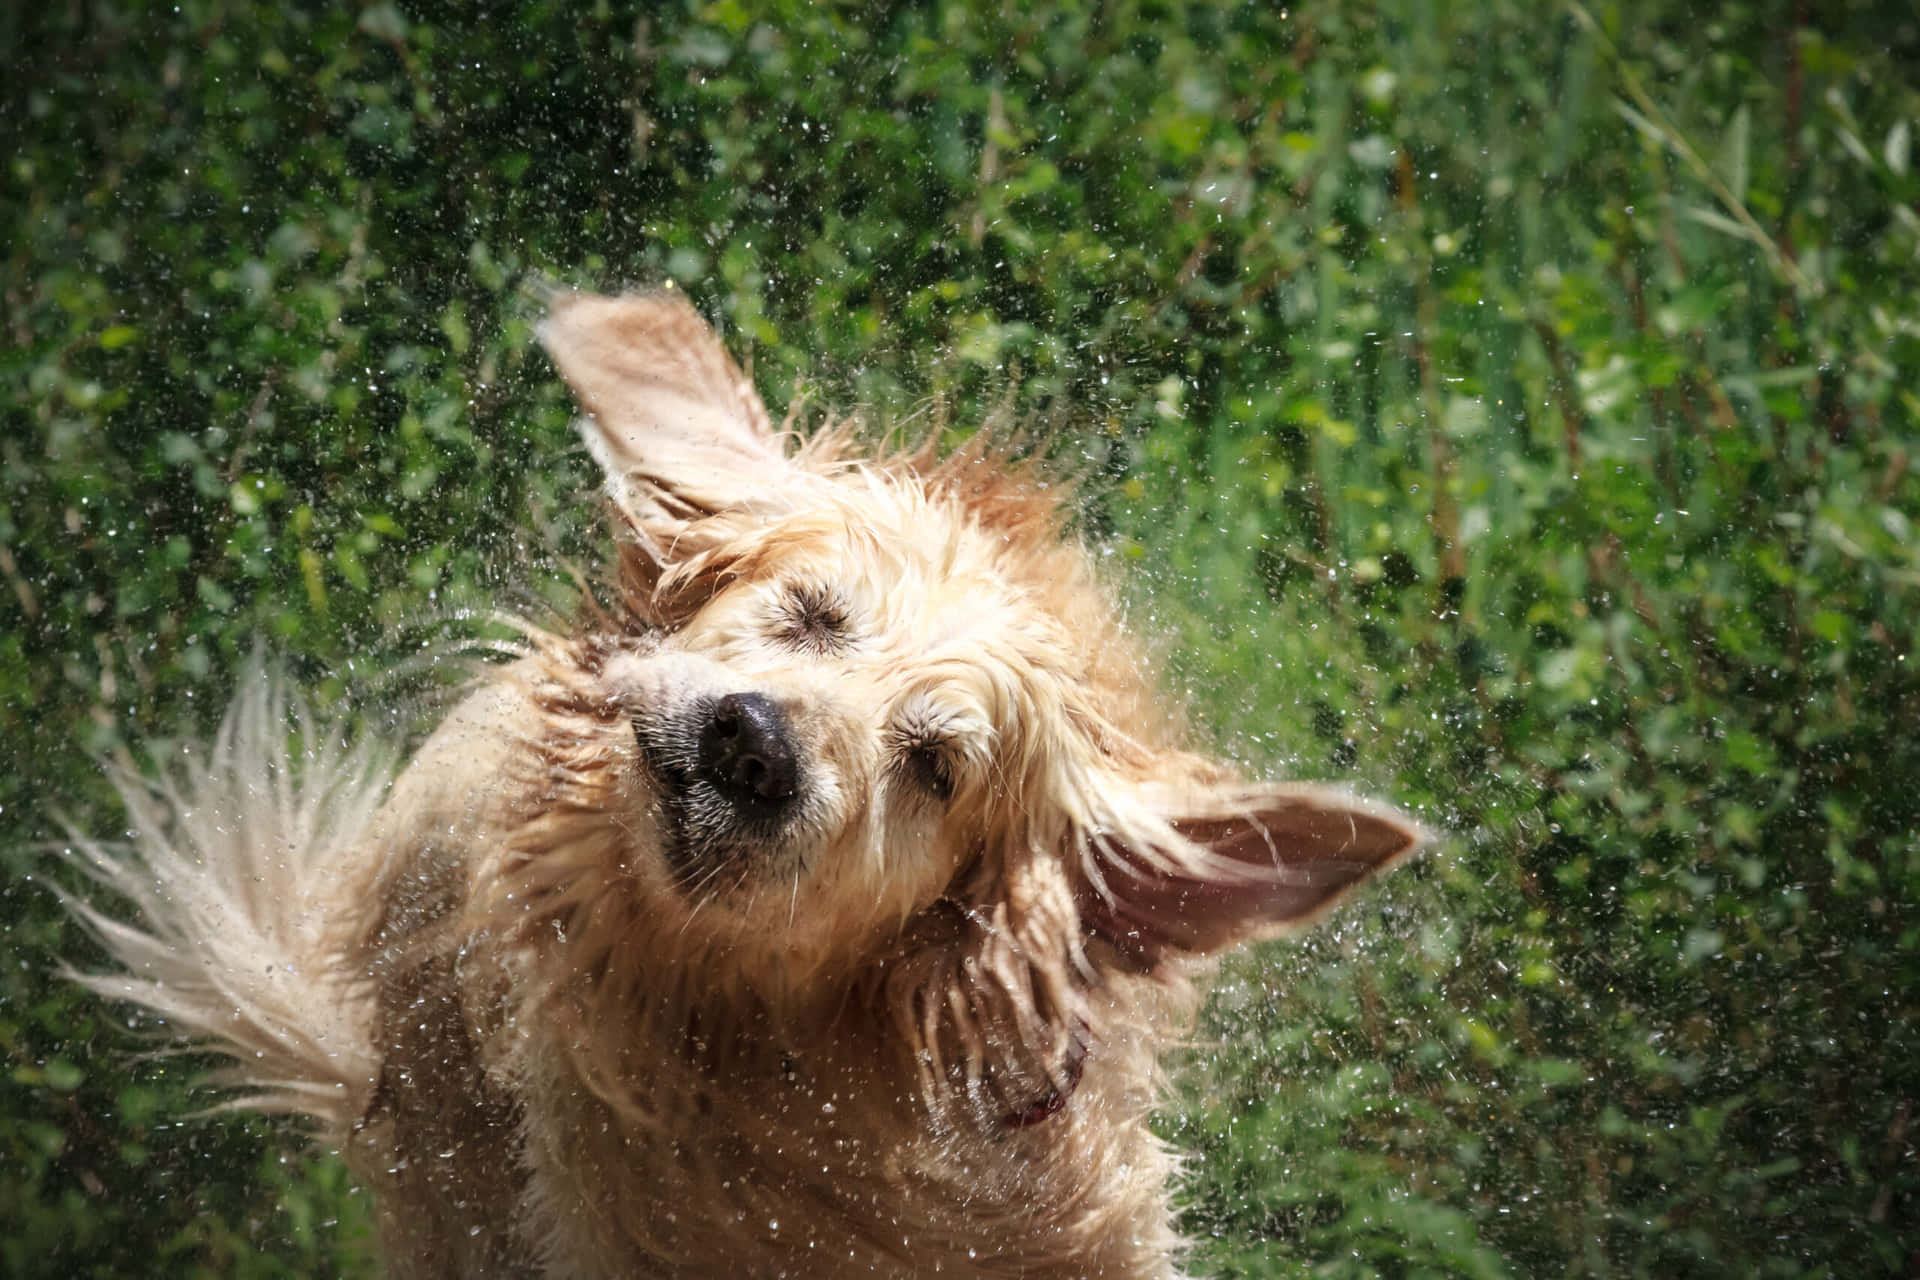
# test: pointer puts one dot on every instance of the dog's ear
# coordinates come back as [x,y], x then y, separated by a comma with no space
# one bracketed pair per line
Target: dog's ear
[676,426]
[670,416]
[1208,868]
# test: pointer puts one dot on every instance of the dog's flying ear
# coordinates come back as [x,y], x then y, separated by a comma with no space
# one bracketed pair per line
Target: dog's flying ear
[676,426]
[669,414]
[1216,867]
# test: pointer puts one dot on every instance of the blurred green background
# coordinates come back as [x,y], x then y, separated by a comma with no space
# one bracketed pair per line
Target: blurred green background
[1508,407]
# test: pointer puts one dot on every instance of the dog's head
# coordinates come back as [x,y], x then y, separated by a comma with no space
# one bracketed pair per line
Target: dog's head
[862,708]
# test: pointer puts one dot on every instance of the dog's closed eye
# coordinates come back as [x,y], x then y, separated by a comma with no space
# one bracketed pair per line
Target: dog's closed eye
[923,755]
[812,618]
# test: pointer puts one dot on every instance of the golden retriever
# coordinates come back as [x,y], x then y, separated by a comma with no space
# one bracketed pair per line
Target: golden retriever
[817,907]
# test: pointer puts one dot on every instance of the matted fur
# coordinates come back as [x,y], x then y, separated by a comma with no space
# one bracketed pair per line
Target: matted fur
[819,911]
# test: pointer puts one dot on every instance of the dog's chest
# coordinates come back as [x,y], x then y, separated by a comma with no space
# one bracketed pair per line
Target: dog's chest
[800,1167]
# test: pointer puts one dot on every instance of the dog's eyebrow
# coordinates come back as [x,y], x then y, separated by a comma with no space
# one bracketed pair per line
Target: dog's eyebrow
[814,617]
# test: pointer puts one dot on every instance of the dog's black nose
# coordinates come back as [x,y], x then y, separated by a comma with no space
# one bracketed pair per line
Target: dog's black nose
[747,754]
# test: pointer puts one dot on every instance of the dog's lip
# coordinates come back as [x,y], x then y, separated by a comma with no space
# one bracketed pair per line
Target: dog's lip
[669,779]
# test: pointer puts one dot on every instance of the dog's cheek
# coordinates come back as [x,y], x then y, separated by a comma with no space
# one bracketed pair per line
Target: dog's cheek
[927,860]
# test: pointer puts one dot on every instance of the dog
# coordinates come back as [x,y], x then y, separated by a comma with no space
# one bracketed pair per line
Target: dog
[817,905]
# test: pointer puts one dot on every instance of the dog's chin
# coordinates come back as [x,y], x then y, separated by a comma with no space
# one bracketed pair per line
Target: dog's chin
[706,866]
[759,910]
[747,925]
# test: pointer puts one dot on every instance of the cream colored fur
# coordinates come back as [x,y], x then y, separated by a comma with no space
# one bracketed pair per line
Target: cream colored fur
[594,989]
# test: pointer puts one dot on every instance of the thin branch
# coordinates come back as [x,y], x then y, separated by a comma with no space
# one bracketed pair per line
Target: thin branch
[1655,122]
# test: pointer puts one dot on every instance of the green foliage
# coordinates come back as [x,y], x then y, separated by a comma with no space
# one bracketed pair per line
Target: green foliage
[1509,409]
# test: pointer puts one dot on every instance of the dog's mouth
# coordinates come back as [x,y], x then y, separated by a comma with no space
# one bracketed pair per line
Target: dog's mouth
[731,786]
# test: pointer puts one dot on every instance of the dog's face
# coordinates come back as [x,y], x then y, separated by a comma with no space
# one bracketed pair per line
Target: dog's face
[825,737]
[856,694]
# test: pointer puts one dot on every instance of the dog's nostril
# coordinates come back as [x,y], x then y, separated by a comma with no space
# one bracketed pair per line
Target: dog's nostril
[746,751]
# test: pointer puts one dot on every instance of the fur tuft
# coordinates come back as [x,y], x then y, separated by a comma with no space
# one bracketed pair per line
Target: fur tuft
[228,860]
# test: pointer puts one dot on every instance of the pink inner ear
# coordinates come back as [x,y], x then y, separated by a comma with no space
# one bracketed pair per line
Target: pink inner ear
[1310,831]
[1244,876]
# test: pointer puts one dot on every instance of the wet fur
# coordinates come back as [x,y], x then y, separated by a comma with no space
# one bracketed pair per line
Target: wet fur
[569,1010]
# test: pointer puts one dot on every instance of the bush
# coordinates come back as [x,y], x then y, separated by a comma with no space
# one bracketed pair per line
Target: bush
[1508,409]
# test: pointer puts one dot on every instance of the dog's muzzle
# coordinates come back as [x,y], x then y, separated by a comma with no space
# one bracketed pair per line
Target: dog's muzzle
[732,784]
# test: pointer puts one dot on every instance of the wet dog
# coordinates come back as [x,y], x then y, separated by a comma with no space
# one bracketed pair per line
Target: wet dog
[817,907]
